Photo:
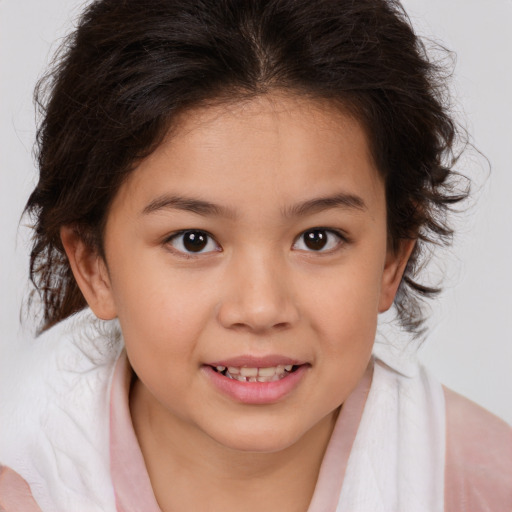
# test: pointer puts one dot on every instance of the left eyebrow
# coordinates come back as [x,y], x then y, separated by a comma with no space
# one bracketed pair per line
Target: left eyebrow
[341,200]
[189,204]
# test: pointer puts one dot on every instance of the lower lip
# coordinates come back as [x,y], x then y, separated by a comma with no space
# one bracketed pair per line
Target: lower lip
[256,392]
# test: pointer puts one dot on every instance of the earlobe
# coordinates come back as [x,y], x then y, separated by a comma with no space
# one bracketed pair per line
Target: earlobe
[393,272]
[90,271]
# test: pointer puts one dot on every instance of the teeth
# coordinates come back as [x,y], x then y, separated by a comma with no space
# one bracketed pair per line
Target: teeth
[248,372]
[267,372]
[244,374]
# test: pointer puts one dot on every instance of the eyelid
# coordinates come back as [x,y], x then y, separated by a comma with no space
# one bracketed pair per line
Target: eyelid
[342,239]
[341,236]
[190,254]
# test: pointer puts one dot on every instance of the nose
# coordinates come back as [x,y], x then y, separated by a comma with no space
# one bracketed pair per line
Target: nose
[258,296]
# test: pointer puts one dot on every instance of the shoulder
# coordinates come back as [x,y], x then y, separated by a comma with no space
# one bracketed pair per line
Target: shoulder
[54,412]
[64,363]
[478,458]
[15,493]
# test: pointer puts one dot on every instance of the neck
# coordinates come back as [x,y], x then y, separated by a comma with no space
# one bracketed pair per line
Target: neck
[191,471]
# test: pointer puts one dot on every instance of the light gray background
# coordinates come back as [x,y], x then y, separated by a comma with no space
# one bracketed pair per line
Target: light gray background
[470,344]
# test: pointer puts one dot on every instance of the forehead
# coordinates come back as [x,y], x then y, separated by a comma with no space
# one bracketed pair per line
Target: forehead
[284,147]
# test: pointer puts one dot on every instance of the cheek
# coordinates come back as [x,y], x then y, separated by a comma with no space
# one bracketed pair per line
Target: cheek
[345,310]
[347,302]
[162,340]
[347,327]
[161,313]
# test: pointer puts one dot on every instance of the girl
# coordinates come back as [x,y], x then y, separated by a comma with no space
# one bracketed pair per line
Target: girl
[230,194]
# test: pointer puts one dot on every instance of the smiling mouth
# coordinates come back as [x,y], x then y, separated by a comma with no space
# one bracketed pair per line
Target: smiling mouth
[246,374]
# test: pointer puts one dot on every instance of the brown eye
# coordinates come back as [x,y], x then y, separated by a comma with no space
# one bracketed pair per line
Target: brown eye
[193,241]
[318,240]
[315,240]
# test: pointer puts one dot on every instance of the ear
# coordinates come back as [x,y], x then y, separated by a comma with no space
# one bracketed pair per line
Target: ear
[393,272]
[91,273]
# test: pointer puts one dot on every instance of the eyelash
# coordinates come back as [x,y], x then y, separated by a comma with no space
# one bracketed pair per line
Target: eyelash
[341,239]
[191,254]
[183,252]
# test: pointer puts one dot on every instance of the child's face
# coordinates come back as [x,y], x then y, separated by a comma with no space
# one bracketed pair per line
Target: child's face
[283,261]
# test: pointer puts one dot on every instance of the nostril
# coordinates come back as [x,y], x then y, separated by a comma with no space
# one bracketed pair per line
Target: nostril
[257,308]
[240,326]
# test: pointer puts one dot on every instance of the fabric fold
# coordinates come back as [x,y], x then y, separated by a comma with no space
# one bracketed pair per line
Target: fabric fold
[398,457]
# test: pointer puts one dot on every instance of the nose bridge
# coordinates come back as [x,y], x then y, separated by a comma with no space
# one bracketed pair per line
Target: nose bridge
[259,295]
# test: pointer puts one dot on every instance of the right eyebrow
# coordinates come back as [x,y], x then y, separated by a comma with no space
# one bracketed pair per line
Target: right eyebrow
[340,200]
[189,204]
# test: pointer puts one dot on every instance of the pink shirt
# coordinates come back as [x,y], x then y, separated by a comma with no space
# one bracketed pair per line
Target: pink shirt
[478,475]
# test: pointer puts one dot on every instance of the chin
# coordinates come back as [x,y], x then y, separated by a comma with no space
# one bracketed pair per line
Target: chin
[263,445]
[257,440]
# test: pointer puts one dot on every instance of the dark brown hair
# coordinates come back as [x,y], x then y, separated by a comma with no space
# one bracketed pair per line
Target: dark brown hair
[131,66]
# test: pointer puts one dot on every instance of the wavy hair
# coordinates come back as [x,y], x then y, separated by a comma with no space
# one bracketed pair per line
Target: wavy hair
[130,67]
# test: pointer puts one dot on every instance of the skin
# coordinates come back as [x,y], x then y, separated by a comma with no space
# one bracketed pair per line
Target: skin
[256,289]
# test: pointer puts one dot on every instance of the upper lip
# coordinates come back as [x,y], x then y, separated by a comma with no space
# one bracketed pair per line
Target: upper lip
[249,361]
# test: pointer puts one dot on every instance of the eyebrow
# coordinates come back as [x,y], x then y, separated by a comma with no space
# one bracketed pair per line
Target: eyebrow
[188,204]
[341,200]
[206,208]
